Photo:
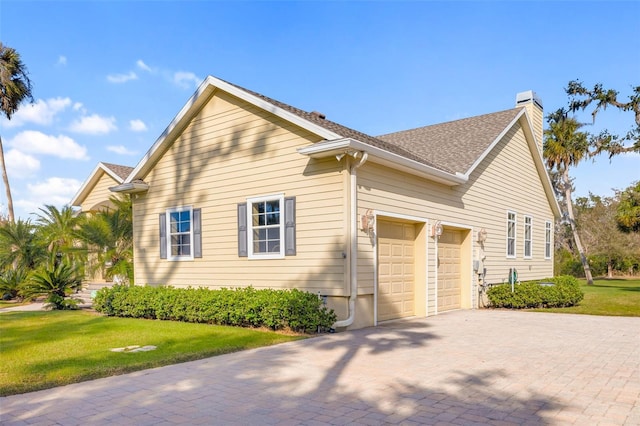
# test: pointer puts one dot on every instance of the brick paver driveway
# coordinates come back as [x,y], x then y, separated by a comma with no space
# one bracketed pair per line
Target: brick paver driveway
[462,368]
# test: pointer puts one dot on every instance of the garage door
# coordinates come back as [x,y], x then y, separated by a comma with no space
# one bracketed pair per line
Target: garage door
[396,270]
[449,270]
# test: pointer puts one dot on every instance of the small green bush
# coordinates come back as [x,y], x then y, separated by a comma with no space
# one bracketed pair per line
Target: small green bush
[245,307]
[566,291]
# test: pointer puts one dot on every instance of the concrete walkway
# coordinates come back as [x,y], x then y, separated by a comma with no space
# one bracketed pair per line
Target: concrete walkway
[28,307]
[460,368]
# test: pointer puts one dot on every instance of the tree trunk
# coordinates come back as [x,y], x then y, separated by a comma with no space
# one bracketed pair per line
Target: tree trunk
[572,222]
[5,179]
[610,269]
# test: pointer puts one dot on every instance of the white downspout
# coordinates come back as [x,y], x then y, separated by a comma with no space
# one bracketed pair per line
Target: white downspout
[353,233]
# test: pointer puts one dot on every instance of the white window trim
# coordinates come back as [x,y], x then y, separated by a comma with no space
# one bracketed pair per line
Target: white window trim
[168,231]
[515,235]
[524,246]
[250,201]
[548,231]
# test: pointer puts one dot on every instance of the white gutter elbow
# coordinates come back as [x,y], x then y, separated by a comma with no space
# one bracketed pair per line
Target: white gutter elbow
[353,231]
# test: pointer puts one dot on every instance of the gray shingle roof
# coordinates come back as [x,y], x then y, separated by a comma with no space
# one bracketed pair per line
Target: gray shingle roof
[122,171]
[455,145]
[341,130]
[452,146]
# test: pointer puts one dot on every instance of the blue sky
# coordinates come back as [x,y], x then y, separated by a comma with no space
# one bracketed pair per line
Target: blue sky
[109,76]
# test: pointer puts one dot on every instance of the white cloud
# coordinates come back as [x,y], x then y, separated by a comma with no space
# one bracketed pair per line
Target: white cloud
[34,142]
[137,126]
[78,106]
[186,79]
[62,60]
[143,66]
[120,149]
[55,190]
[20,165]
[94,125]
[40,112]
[122,78]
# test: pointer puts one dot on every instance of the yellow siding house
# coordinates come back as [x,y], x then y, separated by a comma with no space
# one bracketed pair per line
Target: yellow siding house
[241,189]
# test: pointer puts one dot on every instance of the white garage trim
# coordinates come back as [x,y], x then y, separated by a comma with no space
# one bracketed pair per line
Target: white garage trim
[460,227]
[416,219]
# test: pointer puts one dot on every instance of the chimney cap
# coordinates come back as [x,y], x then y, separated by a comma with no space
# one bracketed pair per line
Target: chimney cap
[528,96]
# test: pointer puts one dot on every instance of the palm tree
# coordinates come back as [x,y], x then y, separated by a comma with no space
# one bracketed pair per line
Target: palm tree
[15,87]
[58,227]
[108,237]
[565,146]
[628,214]
[55,280]
[20,246]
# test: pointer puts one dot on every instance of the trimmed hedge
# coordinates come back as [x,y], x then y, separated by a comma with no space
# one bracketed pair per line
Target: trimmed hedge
[244,307]
[566,291]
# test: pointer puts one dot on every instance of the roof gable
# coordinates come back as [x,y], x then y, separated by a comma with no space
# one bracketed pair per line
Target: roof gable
[117,172]
[310,121]
[446,152]
[455,146]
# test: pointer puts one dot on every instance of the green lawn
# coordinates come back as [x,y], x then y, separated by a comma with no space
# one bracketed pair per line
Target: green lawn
[40,350]
[612,297]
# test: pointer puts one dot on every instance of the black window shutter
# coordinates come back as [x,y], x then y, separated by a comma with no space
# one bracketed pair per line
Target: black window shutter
[290,226]
[242,230]
[197,232]
[163,235]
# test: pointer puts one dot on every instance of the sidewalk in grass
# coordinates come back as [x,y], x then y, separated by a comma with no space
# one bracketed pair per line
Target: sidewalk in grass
[29,307]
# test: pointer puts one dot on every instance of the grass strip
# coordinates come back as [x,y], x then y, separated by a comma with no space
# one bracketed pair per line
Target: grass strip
[40,350]
[609,297]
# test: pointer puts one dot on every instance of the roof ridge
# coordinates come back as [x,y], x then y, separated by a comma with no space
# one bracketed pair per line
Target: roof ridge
[473,117]
[122,171]
[340,129]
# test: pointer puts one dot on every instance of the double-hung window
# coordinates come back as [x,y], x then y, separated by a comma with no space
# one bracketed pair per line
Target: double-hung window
[547,240]
[511,234]
[528,232]
[180,235]
[266,227]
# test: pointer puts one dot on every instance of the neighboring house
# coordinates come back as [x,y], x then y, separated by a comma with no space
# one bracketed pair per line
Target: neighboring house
[94,195]
[242,190]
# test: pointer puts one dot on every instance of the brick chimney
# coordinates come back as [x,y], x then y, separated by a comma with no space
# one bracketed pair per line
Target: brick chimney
[533,105]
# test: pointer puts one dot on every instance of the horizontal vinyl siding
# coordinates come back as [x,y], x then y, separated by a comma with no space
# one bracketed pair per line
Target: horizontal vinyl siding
[100,193]
[229,152]
[506,180]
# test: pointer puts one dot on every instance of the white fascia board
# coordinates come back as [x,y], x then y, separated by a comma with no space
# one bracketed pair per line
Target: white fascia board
[380,156]
[164,138]
[91,181]
[130,188]
[495,142]
[535,153]
[208,86]
[261,103]
[540,165]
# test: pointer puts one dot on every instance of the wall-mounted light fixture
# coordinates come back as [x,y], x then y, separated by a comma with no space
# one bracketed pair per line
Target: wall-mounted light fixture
[436,229]
[368,221]
[482,235]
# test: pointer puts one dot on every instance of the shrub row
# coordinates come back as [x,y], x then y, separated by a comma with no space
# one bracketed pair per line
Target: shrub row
[566,291]
[245,307]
